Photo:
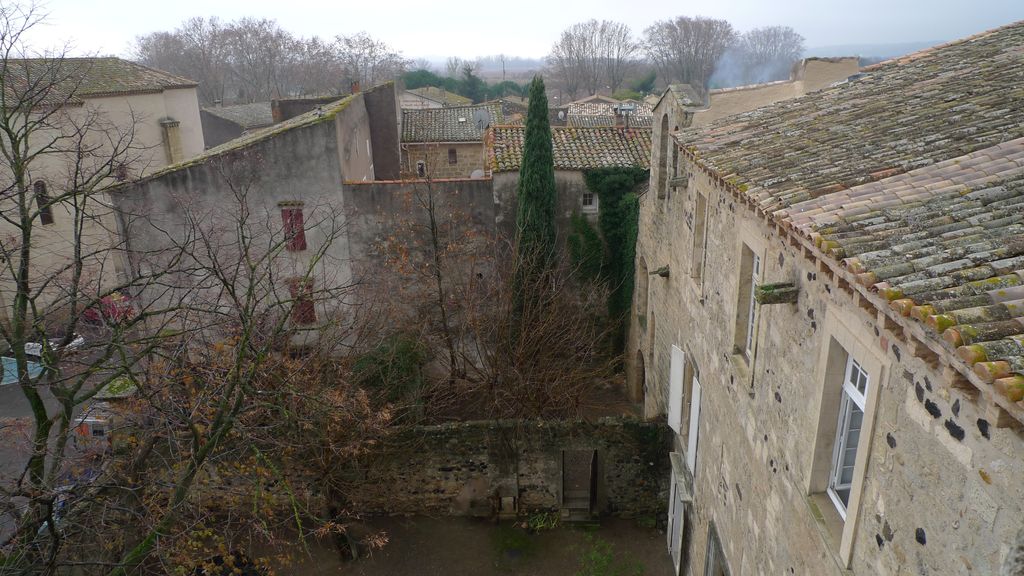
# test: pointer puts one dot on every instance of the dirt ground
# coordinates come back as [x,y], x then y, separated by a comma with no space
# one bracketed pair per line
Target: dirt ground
[454,546]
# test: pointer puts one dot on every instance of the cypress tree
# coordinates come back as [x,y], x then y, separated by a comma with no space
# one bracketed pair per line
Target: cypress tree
[535,218]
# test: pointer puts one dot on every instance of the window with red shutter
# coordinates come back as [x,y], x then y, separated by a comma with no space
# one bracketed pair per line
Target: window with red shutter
[303,310]
[43,202]
[294,227]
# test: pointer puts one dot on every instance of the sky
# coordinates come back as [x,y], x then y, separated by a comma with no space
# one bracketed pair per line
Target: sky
[527,28]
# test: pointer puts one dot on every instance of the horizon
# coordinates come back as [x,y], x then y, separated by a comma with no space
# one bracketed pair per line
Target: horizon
[435,35]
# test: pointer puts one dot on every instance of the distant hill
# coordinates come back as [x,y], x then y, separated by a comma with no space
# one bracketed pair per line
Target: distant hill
[870,51]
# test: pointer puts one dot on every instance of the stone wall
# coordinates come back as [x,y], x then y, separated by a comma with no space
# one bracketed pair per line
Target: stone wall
[469,157]
[458,468]
[937,485]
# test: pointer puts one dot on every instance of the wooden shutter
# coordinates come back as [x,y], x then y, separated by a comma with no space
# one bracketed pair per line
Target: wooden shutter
[294,228]
[675,390]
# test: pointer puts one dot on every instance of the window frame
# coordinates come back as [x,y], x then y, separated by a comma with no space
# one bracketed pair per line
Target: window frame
[700,235]
[453,156]
[852,400]
[43,202]
[303,309]
[293,225]
[421,169]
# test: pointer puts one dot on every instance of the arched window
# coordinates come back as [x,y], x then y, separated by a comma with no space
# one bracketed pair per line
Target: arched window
[43,202]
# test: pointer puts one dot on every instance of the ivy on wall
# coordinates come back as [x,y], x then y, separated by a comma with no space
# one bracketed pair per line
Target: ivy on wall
[617,221]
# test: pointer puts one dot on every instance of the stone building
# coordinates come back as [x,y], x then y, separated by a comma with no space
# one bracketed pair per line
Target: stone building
[442,143]
[575,151]
[828,315]
[120,119]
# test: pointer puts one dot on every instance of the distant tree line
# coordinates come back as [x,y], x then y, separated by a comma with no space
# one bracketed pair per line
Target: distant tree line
[705,52]
[254,60]
[250,60]
[462,79]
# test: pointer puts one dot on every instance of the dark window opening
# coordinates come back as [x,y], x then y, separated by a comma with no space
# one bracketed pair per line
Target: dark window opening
[43,202]
[294,228]
[421,169]
[453,156]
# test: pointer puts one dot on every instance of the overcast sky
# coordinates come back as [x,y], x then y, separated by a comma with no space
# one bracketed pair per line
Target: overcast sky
[470,28]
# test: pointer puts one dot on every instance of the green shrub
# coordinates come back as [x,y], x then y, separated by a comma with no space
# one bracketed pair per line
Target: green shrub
[394,367]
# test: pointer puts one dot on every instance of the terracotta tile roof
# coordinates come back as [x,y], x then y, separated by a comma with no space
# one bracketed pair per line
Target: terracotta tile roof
[78,78]
[600,121]
[576,148]
[901,115]
[441,95]
[248,116]
[452,124]
[944,244]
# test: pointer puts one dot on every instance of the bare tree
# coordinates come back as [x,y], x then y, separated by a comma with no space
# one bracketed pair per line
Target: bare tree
[687,49]
[453,66]
[199,49]
[769,52]
[591,55]
[367,60]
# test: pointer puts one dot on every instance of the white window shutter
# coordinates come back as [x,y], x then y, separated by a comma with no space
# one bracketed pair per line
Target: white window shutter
[691,448]
[675,390]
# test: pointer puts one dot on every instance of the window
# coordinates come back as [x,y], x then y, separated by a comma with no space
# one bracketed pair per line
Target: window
[421,169]
[700,216]
[589,201]
[662,181]
[453,156]
[303,310]
[43,203]
[294,226]
[851,417]
[684,399]
[746,306]
[714,563]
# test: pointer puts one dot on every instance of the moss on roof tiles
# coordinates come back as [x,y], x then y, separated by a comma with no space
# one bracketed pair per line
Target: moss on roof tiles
[901,115]
[945,245]
[311,118]
[77,78]
[576,148]
[451,124]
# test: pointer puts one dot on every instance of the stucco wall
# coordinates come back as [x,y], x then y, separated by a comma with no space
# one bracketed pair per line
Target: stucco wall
[456,468]
[939,488]
[306,164]
[569,184]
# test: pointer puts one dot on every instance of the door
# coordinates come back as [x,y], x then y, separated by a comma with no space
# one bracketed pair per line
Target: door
[579,474]
[691,445]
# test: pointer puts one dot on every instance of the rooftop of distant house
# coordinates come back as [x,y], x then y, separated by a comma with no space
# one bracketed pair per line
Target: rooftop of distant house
[441,96]
[77,78]
[248,116]
[576,148]
[450,124]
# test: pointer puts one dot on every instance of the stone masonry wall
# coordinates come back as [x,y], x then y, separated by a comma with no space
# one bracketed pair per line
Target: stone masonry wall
[938,487]
[458,468]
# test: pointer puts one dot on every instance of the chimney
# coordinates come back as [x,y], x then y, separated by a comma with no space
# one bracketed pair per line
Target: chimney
[355,86]
[275,111]
[620,118]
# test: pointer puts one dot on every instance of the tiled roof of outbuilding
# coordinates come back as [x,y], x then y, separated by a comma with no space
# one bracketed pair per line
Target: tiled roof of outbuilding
[452,124]
[248,116]
[576,148]
[945,245]
[441,95]
[900,115]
